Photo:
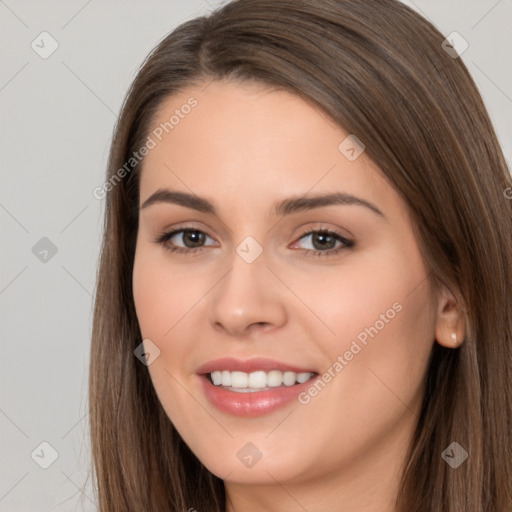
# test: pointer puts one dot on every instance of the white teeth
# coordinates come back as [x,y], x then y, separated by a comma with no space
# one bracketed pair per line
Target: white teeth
[217,378]
[239,379]
[258,379]
[226,378]
[274,378]
[303,377]
[289,378]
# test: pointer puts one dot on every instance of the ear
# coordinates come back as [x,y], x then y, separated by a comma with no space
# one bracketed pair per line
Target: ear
[451,322]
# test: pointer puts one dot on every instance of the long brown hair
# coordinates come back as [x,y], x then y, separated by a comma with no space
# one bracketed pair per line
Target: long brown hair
[379,70]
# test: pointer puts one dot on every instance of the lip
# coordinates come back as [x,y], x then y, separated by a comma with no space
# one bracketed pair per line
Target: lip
[250,365]
[255,403]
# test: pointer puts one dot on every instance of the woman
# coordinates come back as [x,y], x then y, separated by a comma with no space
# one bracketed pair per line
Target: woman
[234,370]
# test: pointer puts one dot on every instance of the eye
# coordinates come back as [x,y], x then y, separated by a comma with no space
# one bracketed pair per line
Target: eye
[323,242]
[191,238]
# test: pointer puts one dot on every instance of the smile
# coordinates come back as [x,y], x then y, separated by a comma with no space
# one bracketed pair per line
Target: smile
[253,387]
[243,382]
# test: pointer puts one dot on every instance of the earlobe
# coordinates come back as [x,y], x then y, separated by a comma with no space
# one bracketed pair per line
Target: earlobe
[451,324]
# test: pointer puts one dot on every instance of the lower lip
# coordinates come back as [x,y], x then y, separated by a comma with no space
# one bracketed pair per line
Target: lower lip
[254,403]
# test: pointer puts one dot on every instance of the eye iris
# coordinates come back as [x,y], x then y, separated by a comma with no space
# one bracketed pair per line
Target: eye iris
[196,237]
[323,237]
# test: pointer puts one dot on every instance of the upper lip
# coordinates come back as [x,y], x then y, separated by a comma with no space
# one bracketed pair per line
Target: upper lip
[249,365]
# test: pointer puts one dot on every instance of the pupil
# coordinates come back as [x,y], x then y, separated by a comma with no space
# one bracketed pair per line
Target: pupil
[323,237]
[195,236]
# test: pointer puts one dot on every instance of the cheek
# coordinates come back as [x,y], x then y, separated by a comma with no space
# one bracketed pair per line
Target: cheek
[377,358]
[377,316]
[361,300]
[162,296]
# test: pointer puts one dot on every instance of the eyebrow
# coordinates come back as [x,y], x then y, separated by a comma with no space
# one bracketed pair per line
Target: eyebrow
[285,207]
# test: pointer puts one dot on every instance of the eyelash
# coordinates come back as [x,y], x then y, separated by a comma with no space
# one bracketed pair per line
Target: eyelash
[165,237]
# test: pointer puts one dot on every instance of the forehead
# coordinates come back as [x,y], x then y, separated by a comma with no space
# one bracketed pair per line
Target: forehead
[245,140]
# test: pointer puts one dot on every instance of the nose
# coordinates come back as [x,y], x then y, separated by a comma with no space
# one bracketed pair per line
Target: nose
[247,299]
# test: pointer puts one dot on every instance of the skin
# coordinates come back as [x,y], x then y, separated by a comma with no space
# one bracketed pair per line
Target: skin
[246,147]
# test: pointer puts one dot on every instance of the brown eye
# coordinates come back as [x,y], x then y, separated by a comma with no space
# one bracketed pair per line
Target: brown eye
[191,240]
[195,238]
[324,241]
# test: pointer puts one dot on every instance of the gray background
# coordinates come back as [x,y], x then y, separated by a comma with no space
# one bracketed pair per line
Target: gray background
[57,117]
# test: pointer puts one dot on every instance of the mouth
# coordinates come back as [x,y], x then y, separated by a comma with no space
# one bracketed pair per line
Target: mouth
[243,382]
[253,387]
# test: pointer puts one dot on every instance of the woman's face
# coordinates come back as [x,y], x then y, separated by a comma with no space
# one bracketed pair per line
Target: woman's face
[253,298]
